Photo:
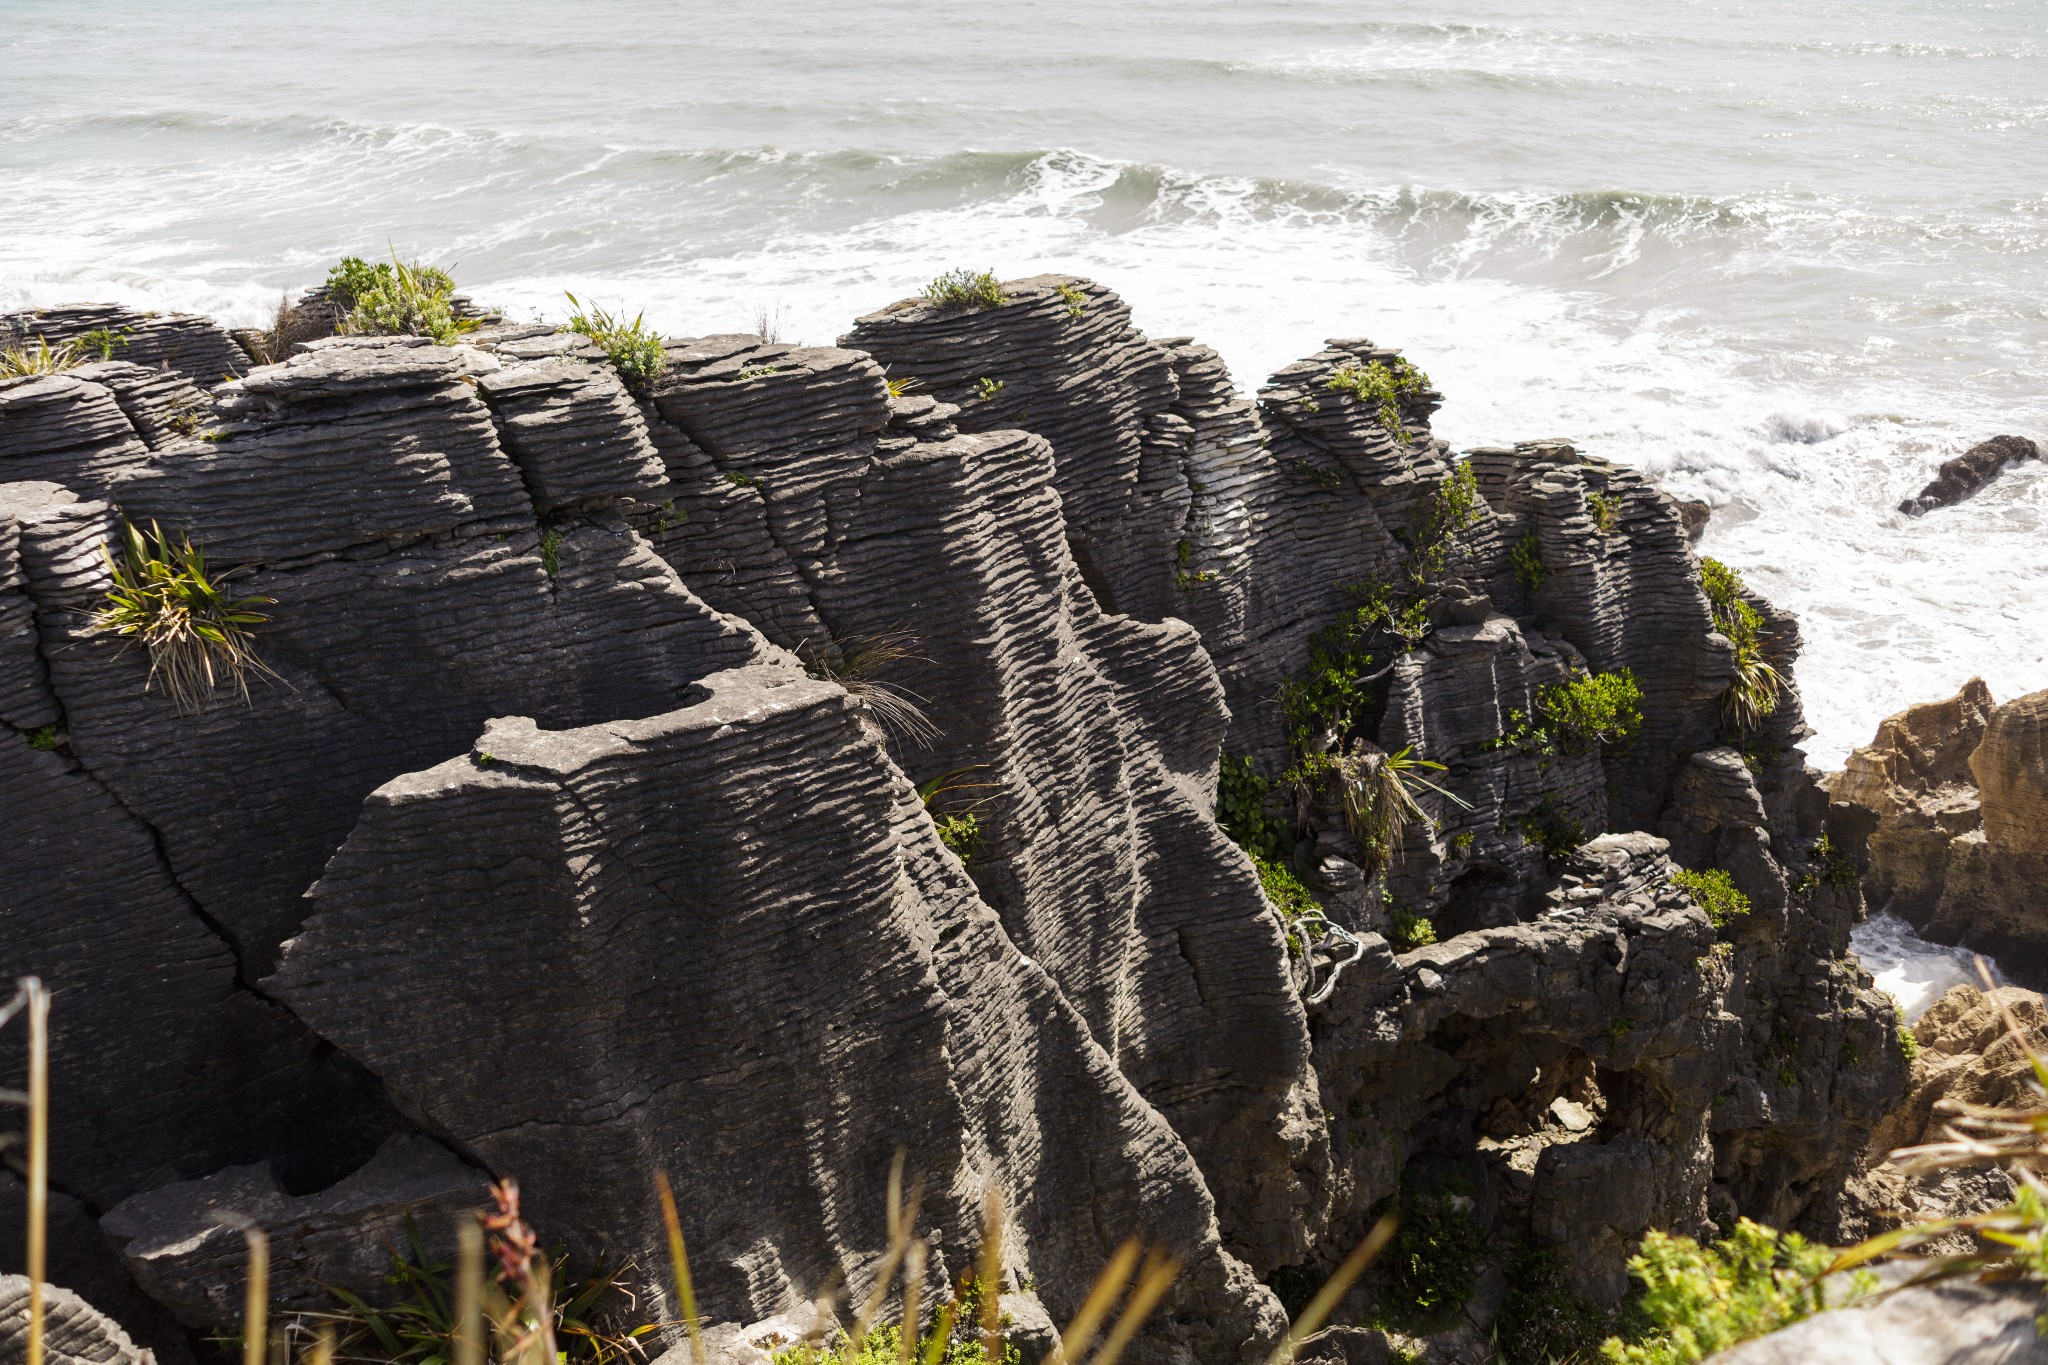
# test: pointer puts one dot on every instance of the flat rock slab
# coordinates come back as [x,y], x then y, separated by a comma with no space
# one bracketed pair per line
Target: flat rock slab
[1958,1324]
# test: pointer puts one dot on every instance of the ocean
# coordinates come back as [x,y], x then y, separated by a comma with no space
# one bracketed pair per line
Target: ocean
[1783,257]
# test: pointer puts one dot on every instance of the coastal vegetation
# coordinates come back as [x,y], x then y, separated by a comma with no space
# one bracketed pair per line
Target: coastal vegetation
[634,348]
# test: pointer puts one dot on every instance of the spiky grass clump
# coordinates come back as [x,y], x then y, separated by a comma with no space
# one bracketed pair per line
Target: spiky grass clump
[857,663]
[1379,793]
[1754,693]
[396,299]
[289,325]
[1381,386]
[40,357]
[163,599]
[633,347]
[966,289]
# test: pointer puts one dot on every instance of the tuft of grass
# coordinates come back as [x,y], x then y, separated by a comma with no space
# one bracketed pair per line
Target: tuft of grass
[899,387]
[397,299]
[1076,301]
[1526,559]
[1382,387]
[164,600]
[634,348]
[40,357]
[99,342]
[857,663]
[1380,794]
[289,326]
[1758,684]
[1714,892]
[978,289]
[550,551]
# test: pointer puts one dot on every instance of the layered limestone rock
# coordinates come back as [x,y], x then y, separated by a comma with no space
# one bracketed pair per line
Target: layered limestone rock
[1949,804]
[590,825]
[195,347]
[75,1333]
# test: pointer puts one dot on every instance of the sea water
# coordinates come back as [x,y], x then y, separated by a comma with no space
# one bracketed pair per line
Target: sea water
[1784,257]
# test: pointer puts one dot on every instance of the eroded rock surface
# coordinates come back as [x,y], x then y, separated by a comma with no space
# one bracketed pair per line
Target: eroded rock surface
[580,829]
[1969,472]
[1950,800]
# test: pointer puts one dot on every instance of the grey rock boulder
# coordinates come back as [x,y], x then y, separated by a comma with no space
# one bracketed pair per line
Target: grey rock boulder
[1969,472]
[75,1333]
[1951,1324]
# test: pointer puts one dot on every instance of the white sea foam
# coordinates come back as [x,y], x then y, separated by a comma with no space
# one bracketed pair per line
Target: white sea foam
[1787,269]
[1911,970]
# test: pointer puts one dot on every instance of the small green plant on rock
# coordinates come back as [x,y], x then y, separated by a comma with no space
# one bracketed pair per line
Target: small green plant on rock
[1698,1300]
[986,388]
[45,739]
[1407,932]
[101,341]
[1753,695]
[550,548]
[1076,301]
[1551,828]
[959,829]
[1605,509]
[1909,1041]
[1241,809]
[634,348]
[1435,1258]
[397,299]
[1713,891]
[898,388]
[1380,386]
[857,663]
[39,357]
[1603,711]
[966,289]
[163,599]
[1526,559]
[1326,477]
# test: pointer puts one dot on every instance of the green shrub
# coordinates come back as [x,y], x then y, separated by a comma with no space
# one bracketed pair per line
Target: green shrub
[1076,301]
[966,289]
[1527,561]
[1287,892]
[1326,477]
[101,340]
[1714,892]
[1241,809]
[1587,714]
[986,388]
[164,600]
[1435,1258]
[1451,507]
[1553,830]
[1605,509]
[45,739]
[1754,693]
[1542,1321]
[634,348]
[550,546]
[1382,387]
[1909,1041]
[396,299]
[1698,1300]
[962,834]
[1407,932]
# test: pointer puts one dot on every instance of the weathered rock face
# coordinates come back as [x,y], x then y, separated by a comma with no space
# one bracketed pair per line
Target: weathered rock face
[1970,471]
[195,347]
[75,1333]
[1950,800]
[587,827]
[1967,1054]
[1950,1324]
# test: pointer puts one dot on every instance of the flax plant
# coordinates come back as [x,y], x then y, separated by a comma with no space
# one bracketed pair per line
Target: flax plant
[163,599]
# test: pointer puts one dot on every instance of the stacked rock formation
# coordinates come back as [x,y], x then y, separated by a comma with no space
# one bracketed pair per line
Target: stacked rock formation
[586,829]
[1949,805]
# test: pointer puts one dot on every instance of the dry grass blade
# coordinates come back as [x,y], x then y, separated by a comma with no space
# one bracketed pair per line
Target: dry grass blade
[1334,1289]
[25,359]
[856,664]
[679,1263]
[1153,1281]
[323,1346]
[31,997]
[290,325]
[1108,1288]
[913,1294]
[468,1343]
[901,1220]
[990,1272]
[255,1290]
